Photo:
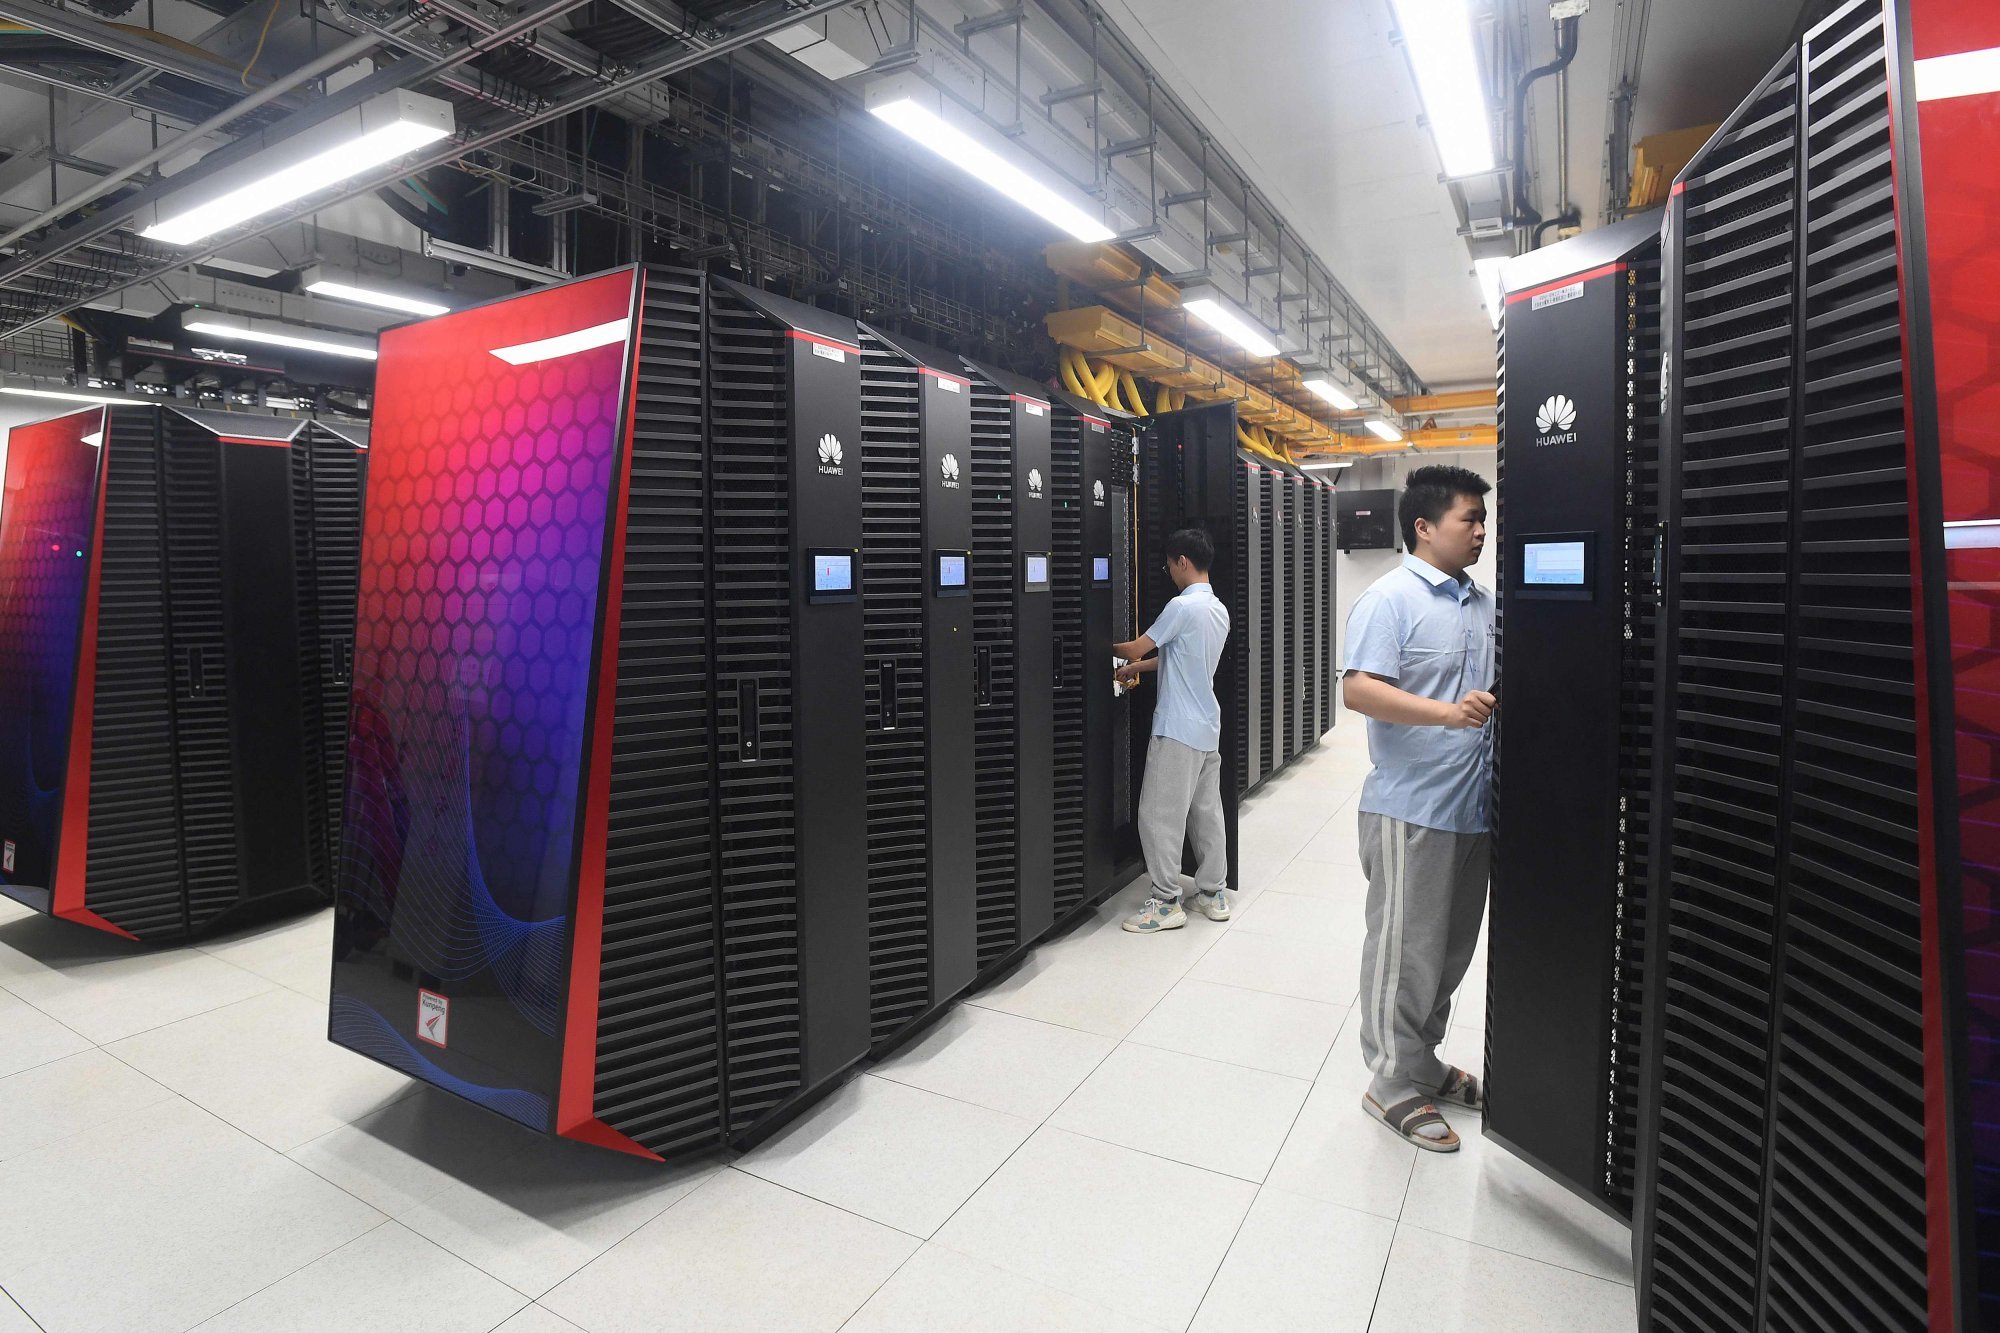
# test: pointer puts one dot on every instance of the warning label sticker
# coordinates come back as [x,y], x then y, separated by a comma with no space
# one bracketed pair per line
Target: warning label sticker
[433,1018]
[830,353]
[7,858]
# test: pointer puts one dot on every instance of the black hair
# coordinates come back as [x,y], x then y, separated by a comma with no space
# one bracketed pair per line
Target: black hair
[1195,545]
[1429,495]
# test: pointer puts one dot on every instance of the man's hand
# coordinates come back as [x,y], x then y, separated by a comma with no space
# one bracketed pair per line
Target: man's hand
[1471,711]
[1128,675]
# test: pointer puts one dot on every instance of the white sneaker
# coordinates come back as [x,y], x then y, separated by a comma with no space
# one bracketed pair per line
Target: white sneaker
[1156,916]
[1215,906]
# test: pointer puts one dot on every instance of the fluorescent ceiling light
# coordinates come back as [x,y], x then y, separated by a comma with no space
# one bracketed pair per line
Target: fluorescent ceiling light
[380,130]
[1488,270]
[453,253]
[1438,36]
[343,285]
[1326,389]
[1967,74]
[1230,325]
[1326,467]
[70,396]
[241,329]
[917,111]
[1384,430]
[564,344]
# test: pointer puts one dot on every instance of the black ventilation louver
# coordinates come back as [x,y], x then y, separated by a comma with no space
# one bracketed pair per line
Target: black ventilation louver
[758,876]
[892,479]
[658,1076]
[134,831]
[993,593]
[1789,1181]
[1069,576]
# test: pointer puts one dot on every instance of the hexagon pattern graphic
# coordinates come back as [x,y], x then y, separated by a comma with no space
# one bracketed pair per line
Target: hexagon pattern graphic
[47,512]
[482,549]
[1558,413]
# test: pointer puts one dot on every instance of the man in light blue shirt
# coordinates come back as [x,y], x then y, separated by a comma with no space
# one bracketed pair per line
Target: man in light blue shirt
[1419,665]
[1181,792]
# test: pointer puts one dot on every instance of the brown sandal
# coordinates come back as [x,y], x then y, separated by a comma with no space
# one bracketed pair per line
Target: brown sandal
[1461,1089]
[1411,1115]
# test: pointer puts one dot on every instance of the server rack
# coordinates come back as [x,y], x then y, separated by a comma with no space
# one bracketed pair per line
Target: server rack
[1012,590]
[928,677]
[1090,453]
[166,626]
[1190,475]
[1578,440]
[1816,1068]
[606,779]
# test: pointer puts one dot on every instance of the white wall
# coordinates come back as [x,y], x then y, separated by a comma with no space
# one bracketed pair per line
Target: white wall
[1353,572]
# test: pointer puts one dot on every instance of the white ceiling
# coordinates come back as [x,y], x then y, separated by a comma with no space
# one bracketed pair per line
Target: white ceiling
[1316,103]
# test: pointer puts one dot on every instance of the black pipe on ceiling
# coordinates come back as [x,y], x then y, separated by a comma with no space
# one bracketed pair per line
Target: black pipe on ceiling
[1525,213]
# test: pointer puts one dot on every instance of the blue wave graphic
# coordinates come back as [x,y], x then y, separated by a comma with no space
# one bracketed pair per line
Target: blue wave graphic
[359,1028]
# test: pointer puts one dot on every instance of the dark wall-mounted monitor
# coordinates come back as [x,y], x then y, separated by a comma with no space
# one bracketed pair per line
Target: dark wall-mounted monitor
[1366,520]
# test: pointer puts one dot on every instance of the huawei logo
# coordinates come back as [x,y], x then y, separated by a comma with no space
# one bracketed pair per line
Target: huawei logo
[1557,414]
[1097,492]
[1035,482]
[949,466]
[829,450]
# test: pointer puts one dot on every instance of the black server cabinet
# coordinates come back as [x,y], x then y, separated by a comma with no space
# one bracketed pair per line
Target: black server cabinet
[165,645]
[1013,604]
[1290,615]
[1272,621]
[1329,603]
[1090,451]
[1581,393]
[927,678]
[329,481]
[1248,613]
[1190,475]
[1797,1157]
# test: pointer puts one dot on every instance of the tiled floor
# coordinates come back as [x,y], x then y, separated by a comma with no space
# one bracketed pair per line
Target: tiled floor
[1126,1133]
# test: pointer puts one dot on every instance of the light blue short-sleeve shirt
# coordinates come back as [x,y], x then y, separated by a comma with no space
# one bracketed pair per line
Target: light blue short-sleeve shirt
[1190,635]
[1432,635]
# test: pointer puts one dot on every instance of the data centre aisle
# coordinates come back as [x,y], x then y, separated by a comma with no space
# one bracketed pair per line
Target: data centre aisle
[1128,1133]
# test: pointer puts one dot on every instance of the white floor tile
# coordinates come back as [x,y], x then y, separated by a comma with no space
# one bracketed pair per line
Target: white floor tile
[999,1060]
[1277,1033]
[13,1319]
[264,1065]
[1338,843]
[388,1278]
[536,1217]
[1329,974]
[29,1037]
[186,1217]
[943,1291]
[1094,1219]
[1436,1282]
[295,953]
[1337,1154]
[1219,1117]
[1088,993]
[414,1149]
[1485,1194]
[738,1253]
[1298,1264]
[536,1319]
[1344,884]
[1292,916]
[51,1102]
[891,1153]
[118,997]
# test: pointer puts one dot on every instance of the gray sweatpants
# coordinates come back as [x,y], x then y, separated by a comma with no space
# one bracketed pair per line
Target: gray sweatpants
[1426,895]
[1181,794]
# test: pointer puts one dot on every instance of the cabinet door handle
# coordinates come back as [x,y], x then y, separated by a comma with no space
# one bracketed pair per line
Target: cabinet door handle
[749,720]
[197,668]
[982,677]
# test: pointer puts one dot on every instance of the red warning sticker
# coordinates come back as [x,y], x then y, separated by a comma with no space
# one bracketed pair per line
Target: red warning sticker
[433,1018]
